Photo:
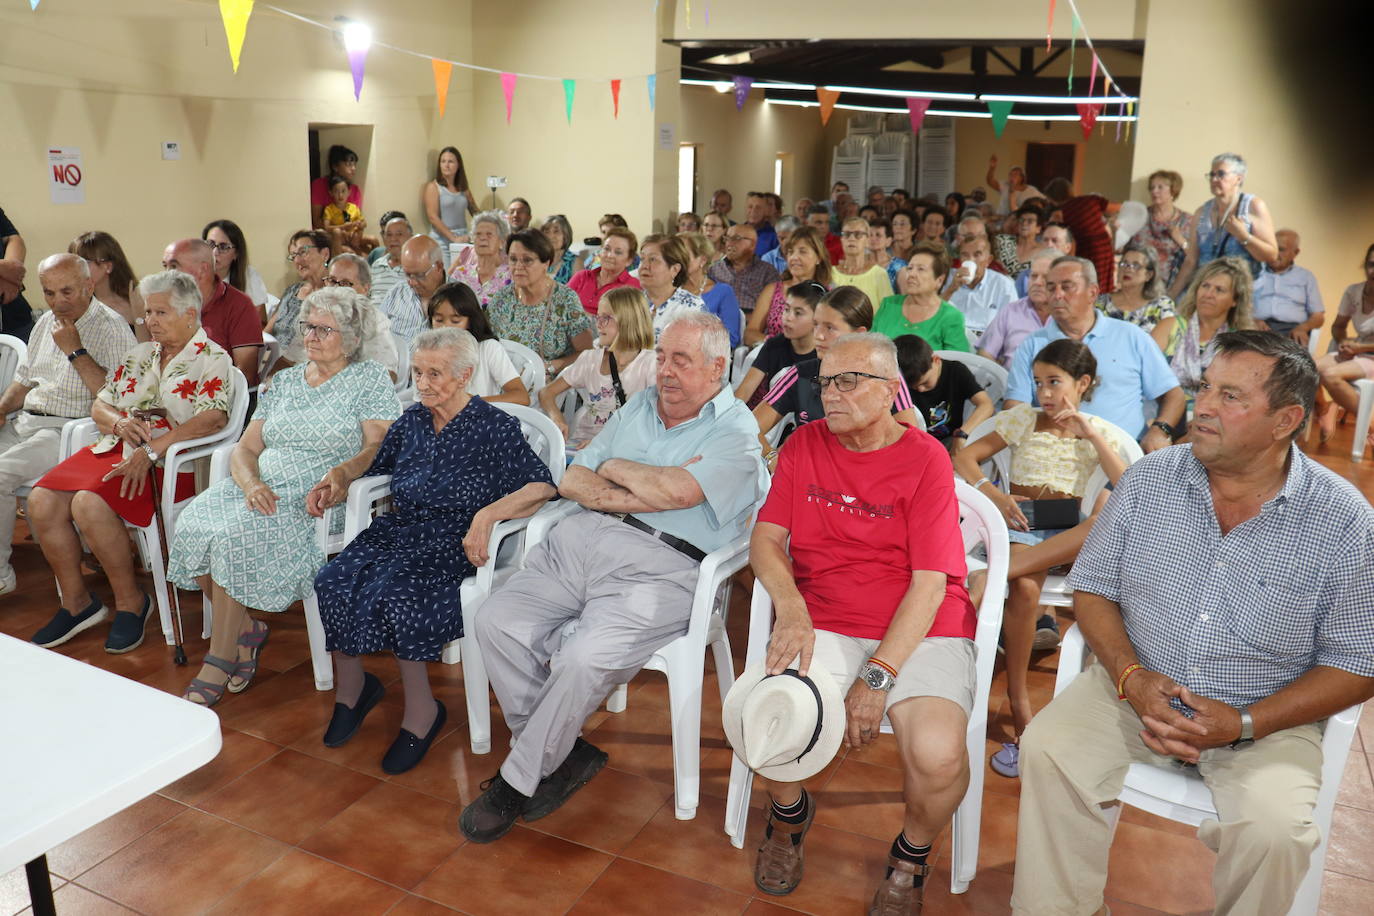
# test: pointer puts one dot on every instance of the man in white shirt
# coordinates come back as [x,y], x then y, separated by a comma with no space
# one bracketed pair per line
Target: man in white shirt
[70,349]
[1287,300]
[981,297]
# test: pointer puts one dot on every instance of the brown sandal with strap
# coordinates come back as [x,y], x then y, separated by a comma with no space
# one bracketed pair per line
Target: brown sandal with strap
[778,869]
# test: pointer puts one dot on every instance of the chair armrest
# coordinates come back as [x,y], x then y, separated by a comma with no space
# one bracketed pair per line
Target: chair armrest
[719,565]
[1072,650]
[362,494]
[219,461]
[76,435]
[542,521]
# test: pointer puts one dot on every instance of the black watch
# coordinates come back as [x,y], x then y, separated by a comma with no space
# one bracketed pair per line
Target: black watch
[958,434]
[1168,430]
[79,351]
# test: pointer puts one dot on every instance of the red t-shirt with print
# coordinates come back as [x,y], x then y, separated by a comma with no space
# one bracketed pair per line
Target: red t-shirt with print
[861,522]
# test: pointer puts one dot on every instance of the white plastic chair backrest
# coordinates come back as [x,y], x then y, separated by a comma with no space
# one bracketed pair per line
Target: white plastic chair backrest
[774,435]
[541,435]
[737,357]
[988,374]
[980,521]
[13,351]
[892,144]
[528,364]
[749,357]
[857,145]
[271,351]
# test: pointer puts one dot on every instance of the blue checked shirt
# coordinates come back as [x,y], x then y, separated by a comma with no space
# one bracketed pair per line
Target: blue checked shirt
[1236,617]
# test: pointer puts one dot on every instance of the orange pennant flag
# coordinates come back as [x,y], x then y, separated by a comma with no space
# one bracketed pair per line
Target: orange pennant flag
[442,70]
[828,98]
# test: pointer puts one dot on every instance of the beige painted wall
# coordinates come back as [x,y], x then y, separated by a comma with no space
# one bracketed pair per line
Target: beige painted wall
[1102,165]
[117,79]
[1182,128]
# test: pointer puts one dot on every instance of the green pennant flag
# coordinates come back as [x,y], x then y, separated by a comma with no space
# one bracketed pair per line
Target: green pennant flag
[1073,46]
[999,112]
[569,90]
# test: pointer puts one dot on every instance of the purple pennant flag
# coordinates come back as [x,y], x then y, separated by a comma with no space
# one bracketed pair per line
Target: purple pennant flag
[742,84]
[357,60]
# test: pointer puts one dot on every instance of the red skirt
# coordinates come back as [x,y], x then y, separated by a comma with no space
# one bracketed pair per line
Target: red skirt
[84,470]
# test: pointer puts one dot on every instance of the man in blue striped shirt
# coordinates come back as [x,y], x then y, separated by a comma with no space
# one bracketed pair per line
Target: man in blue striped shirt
[1227,592]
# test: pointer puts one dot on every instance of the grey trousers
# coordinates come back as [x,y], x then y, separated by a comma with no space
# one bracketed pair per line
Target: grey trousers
[629,595]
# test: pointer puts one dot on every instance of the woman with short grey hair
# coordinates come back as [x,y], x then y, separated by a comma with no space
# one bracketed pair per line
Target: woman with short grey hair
[559,232]
[458,466]
[248,540]
[1231,224]
[1139,296]
[483,266]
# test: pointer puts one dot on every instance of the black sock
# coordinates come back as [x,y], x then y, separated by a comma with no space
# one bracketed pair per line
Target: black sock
[794,813]
[903,849]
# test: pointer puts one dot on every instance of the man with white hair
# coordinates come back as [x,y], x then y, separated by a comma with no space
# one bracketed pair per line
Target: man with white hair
[387,272]
[675,474]
[423,262]
[70,349]
[983,294]
[1287,300]
[860,498]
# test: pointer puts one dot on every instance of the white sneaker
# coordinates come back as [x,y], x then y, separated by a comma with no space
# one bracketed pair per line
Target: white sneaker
[8,581]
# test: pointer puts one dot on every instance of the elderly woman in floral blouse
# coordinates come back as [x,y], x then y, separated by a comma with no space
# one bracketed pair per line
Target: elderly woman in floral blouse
[169,389]
[536,310]
[483,267]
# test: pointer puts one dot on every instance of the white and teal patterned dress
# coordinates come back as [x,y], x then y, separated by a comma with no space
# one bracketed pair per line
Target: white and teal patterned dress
[267,562]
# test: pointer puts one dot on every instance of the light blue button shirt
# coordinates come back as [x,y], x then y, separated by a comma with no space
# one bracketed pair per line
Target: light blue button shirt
[1291,297]
[731,471]
[1131,370]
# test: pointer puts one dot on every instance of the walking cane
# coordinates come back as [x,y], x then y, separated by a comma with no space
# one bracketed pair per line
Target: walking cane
[179,657]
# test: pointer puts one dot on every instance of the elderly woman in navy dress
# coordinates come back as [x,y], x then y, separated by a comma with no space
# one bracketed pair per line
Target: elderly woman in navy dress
[458,467]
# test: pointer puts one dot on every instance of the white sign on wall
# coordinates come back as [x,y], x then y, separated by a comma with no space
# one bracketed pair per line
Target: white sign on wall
[667,138]
[66,181]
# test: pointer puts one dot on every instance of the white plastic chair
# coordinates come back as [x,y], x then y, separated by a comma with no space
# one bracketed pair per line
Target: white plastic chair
[1180,795]
[13,351]
[681,659]
[990,376]
[271,352]
[80,433]
[528,364]
[980,523]
[744,361]
[1054,592]
[1362,416]
[364,497]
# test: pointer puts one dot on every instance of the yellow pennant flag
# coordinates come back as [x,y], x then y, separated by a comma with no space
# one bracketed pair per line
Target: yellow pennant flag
[442,70]
[235,14]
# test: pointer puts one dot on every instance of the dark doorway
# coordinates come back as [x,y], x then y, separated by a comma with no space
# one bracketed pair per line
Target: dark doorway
[1048,161]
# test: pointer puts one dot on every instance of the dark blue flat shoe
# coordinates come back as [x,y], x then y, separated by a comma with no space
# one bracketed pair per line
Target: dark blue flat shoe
[345,722]
[409,749]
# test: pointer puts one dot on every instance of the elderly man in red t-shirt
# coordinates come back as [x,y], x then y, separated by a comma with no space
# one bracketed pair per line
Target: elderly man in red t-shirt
[859,545]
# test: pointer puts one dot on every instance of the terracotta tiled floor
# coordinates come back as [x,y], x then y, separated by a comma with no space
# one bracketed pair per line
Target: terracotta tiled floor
[280,824]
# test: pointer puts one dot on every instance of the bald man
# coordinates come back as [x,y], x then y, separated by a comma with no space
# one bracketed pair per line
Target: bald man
[70,349]
[422,260]
[1287,300]
[229,317]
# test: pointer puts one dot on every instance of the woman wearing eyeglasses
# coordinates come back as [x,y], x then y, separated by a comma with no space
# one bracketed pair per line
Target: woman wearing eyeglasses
[1139,296]
[248,540]
[483,266]
[111,274]
[231,264]
[536,310]
[308,252]
[1231,224]
[858,268]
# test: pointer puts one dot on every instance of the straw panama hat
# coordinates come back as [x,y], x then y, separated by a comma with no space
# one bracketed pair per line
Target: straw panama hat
[784,727]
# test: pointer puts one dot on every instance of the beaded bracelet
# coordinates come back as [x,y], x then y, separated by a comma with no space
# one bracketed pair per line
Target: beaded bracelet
[1121,681]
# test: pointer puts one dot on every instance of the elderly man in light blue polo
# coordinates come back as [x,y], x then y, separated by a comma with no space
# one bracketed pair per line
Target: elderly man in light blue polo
[1130,367]
[675,474]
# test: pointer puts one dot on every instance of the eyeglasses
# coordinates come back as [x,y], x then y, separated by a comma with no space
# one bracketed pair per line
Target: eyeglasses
[221,247]
[299,253]
[854,234]
[320,331]
[603,320]
[419,278]
[736,238]
[1218,174]
[524,262]
[334,281]
[1131,265]
[844,381]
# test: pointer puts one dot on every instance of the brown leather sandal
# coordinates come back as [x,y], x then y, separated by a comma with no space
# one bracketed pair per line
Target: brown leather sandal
[778,868]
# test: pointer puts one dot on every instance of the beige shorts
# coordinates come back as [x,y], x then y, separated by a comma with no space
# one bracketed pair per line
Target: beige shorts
[941,666]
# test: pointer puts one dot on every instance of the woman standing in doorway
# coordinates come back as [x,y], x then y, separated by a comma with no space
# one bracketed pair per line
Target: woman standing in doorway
[448,202]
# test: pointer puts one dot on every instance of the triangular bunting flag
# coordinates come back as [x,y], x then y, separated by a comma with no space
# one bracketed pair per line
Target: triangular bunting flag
[742,84]
[1130,112]
[999,112]
[33,5]
[652,80]
[508,90]
[615,96]
[688,4]
[1087,116]
[1092,75]
[917,109]
[827,98]
[569,90]
[1073,46]
[1049,26]
[235,14]
[442,70]
[357,62]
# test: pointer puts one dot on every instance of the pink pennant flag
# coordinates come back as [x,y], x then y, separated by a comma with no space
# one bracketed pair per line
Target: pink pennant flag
[917,109]
[1049,26]
[615,96]
[508,90]
[1087,116]
[1092,75]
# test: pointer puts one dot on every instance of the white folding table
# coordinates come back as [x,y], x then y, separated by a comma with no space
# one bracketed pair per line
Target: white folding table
[78,744]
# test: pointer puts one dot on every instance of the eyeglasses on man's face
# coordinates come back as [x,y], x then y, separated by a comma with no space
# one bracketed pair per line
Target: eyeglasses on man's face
[420,277]
[335,281]
[844,382]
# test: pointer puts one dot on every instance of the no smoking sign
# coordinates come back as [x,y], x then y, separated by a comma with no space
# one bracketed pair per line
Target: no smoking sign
[65,176]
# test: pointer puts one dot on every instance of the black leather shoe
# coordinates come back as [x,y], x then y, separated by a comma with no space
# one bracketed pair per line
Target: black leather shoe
[409,749]
[583,762]
[493,813]
[345,722]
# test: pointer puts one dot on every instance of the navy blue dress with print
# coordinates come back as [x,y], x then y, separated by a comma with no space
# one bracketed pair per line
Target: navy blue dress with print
[396,586]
